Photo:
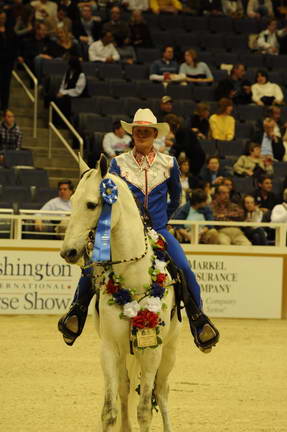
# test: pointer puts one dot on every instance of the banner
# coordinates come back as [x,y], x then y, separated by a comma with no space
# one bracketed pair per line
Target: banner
[36,282]
[239,286]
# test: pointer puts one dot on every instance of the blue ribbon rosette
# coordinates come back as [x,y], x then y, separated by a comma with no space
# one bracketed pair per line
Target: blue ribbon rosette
[102,246]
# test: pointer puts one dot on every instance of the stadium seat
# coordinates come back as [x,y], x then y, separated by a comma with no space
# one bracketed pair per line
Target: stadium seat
[195,24]
[88,123]
[275,62]
[16,194]
[170,22]
[84,105]
[280,169]
[32,177]
[136,72]
[148,89]
[187,40]
[244,130]
[221,24]
[219,75]
[177,91]
[7,177]
[243,185]
[230,148]
[110,71]
[122,89]
[236,43]
[98,88]
[54,67]
[250,112]
[209,147]
[185,108]
[225,58]
[277,187]
[203,93]
[212,42]
[252,60]
[246,25]
[18,157]
[110,106]
[148,55]
[90,69]
[131,104]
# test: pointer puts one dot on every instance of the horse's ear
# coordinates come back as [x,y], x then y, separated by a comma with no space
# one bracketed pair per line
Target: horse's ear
[103,165]
[82,165]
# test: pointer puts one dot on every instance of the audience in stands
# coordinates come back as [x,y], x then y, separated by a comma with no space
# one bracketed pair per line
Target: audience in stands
[253,213]
[259,8]
[194,70]
[127,52]
[72,8]
[87,29]
[199,123]
[25,22]
[279,212]
[34,45]
[10,133]
[268,40]
[235,87]
[253,164]
[140,33]
[44,9]
[165,69]
[117,141]
[211,7]
[272,146]
[263,195]
[234,195]
[118,27]
[165,144]
[61,21]
[187,180]
[165,6]
[138,5]
[212,172]
[265,92]
[165,108]
[103,50]
[222,124]
[233,8]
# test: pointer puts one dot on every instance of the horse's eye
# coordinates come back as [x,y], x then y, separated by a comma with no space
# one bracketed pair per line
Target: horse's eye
[91,205]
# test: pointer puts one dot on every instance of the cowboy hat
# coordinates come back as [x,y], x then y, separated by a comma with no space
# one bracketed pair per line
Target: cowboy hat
[144,117]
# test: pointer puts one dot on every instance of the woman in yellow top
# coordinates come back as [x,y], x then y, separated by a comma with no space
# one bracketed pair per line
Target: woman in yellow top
[171,6]
[222,124]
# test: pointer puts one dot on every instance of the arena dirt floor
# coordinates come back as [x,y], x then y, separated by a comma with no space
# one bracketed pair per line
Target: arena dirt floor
[241,386]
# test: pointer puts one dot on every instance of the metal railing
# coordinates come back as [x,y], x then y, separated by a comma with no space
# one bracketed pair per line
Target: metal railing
[33,98]
[53,128]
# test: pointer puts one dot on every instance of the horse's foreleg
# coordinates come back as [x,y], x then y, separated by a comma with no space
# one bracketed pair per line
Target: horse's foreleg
[124,389]
[110,366]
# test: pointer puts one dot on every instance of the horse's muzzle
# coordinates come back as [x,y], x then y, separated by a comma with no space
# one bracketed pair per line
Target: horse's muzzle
[70,255]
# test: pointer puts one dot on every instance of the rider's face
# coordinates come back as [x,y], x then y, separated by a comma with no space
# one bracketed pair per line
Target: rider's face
[144,136]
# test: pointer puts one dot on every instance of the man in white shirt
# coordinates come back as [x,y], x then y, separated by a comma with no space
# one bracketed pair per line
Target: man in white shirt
[103,50]
[268,40]
[279,212]
[116,142]
[60,203]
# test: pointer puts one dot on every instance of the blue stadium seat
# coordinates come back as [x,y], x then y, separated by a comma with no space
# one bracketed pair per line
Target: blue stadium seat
[90,69]
[18,157]
[252,60]
[148,89]
[209,147]
[90,123]
[122,89]
[110,106]
[280,169]
[7,177]
[177,91]
[98,88]
[222,24]
[212,42]
[243,185]
[108,71]
[276,62]
[244,130]
[84,105]
[54,67]
[136,72]
[236,43]
[219,75]
[131,104]
[170,22]
[148,55]
[32,177]
[203,93]
[226,58]
[195,24]
[250,112]
[187,40]
[246,25]
[230,148]
[184,108]
[16,194]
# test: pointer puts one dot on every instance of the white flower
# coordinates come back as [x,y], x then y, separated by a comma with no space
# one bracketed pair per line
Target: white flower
[153,234]
[131,309]
[153,304]
[160,265]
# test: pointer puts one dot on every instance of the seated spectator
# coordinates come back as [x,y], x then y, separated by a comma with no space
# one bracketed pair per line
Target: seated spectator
[44,9]
[33,45]
[60,22]
[265,92]
[165,108]
[137,5]
[104,50]
[165,69]
[268,40]
[233,8]
[61,203]
[252,213]
[127,52]
[170,6]
[253,164]
[271,145]
[199,123]
[234,196]
[140,34]
[194,70]
[117,141]
[279,212]
[274,113]
[165,144]
[118,27]
[211,7]
[212,173]
[222,124]
[235,87]
[10,133]
[259,8]
[25,22]
[73,85]
[72,9]
[187,180]
[225,210]
[263,195]
[87,29]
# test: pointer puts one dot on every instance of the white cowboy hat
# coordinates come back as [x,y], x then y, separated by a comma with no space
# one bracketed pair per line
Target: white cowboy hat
[144,117]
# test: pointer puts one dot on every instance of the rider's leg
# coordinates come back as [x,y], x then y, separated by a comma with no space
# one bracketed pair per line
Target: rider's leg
[203,330]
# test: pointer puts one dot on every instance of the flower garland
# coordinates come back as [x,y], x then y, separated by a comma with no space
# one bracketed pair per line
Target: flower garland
[144,313]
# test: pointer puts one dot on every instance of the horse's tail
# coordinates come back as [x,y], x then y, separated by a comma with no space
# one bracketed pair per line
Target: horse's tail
[133,368]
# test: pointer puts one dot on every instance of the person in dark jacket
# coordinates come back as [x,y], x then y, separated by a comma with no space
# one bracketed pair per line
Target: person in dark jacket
[235,87]
[264,197]
[87,29]
[211,7]
[34,45]
[271,144]
[212,173]
[199,123]
[140,34]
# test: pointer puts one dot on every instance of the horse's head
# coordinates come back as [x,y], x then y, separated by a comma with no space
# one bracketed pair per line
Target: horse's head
[86,210]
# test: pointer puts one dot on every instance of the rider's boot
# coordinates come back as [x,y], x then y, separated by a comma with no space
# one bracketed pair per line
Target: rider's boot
[72,323]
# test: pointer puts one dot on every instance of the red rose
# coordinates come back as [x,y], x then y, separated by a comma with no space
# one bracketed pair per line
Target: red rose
[160,243]
[145,319]
[160,278]
[111,287]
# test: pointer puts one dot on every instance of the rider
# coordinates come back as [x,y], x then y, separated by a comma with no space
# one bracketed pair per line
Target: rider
[151,176]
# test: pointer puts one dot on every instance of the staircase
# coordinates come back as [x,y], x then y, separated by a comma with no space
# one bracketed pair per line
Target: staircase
[61,165]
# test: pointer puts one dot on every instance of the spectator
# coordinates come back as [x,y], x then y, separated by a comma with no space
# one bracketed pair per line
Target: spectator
[253,164]
[87,29]
[199,121]
[72,9]
[44,9]
[73,85]
[191,7]
[60,22]
[34,45]
[10,133]
[274,112]
[252,213]
[265,92]
[263,195]
[25,22]
[140,34]
[165,108]
[127,52]
[259,8]
[225,210]
[194,70]
[137,5]
[103,50]
[234,196]
[117,141]
[212,173]
[170,6]
[165,69]
[271,145]
[222,124]
[8,54]
[187,180]
[268,40]
[279,212]
[118,27]
[61,203]
[235,87]
[233,8]
[211,7]
[165,144]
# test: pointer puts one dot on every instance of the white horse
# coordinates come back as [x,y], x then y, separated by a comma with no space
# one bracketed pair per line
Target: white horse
[127,242]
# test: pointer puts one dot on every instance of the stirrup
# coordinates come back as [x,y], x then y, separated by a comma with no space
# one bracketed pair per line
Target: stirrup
[204,332]
[80,312]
